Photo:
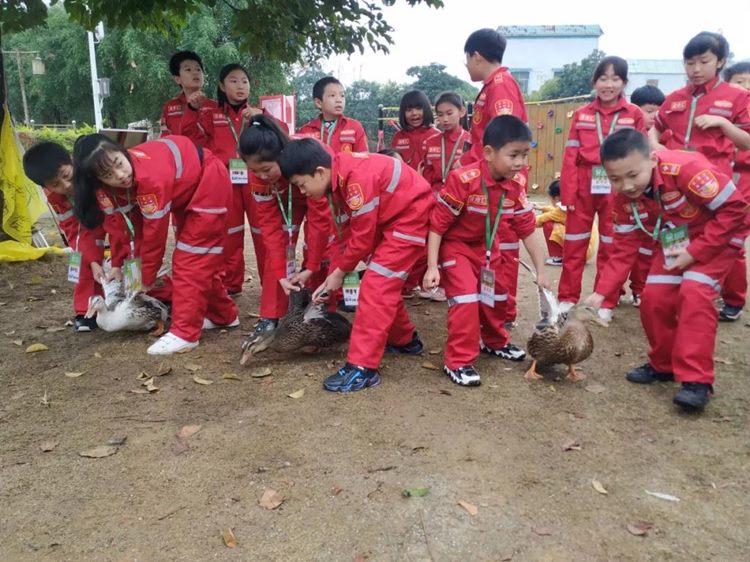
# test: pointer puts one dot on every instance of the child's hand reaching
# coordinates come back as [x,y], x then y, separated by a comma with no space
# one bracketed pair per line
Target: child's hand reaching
[431,278]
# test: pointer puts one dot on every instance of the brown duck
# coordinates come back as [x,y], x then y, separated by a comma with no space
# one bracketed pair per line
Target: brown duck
[307,327]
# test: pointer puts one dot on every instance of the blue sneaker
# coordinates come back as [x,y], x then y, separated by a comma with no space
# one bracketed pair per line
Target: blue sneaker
[351,378]
[414,347]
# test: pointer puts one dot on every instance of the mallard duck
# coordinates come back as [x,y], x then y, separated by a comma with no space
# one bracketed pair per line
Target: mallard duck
[559,338]
[118,311]
[307,327]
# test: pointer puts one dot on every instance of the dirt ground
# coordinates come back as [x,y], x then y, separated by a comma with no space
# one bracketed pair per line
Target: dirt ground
[342,462]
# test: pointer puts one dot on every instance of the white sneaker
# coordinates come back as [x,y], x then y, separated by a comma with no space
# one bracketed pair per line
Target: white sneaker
[605,315]
[436,295]
[566,306]
[169,344]
[208,325]
[554,262]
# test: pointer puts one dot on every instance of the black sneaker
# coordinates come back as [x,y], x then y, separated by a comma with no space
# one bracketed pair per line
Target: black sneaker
[351,378]
[693,396]
[730,313]
[83,324]
[508,351]
[414,347]
[465,376]
[646,374]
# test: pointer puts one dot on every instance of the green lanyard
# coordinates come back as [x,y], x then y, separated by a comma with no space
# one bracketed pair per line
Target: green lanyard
[657,228]
[330,130]
[235,134]
[693,107]
[287,215]
[599,126]
[128,222]
[335,216]
[489,234]
[445,169]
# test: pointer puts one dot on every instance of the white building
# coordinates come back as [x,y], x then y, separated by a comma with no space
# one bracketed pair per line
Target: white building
[536,53]
[667,75]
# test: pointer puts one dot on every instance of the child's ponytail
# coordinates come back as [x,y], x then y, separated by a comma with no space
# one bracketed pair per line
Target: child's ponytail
[262,139]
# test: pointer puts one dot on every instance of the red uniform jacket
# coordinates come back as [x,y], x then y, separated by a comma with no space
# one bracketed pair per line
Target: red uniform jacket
[177,118]
[462,207]
[374,194]
[432,150]
[275,233]
[89,242]
[113,203]
[409,144]
[716,98]
[500,95]
[582,147]
[348,136]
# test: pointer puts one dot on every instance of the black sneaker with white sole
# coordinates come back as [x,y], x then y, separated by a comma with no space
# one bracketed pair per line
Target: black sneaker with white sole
[83,324]
[730,313]
[509,351]
[465,376]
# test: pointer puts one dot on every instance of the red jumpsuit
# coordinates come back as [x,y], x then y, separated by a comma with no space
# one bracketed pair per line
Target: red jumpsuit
[171,176]
[434,159]
[582,197]
[382,207]
[347,136]
[460,217]
[177,118]
[677,310]
[409,144]
[735,286]
[277,235]
[90,244]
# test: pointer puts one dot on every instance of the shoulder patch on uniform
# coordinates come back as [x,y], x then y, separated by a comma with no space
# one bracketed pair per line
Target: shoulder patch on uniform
[504,107]
[670,196]
[469,175]
[680,105]
[454,204]
[723,103]
[355,197]
[704,184]
[498,79]
[104,201]
[688,211]
[346,147]
[139,154]
[149,203]
[477,119]
[669,168]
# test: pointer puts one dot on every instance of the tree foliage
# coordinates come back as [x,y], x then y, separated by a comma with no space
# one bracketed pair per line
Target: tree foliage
[573,80]
[433,80]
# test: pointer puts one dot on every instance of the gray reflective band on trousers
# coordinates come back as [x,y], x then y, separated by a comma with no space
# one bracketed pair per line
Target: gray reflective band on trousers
[198,249]
[385,272]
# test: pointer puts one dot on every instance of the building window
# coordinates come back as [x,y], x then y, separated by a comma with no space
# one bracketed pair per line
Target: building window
[522,77]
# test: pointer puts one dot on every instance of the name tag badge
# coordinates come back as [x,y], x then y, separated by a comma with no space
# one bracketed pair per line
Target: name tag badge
[673,239]
[600,182]
[74,267]
[351,288]
[131,271]
[237,171]
[487,287]
[291,261]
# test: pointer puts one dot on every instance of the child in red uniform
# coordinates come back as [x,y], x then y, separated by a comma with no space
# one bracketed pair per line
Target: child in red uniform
[168,175]
[416,120]
[176,119]
[735,287]
[281,211]
[584,188]
[442,152]
[701,221]
[49,165]
[463,244]
[381,208]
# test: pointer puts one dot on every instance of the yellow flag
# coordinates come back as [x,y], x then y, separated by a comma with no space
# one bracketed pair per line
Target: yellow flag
[23,200]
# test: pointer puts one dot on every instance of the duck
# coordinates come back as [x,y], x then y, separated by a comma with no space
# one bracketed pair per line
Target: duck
[133,311]
[307,327]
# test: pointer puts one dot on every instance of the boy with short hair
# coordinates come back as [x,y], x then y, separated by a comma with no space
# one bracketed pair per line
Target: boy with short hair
[49,165]
[380,208]
[649,98]
[180,114]
[701,220]
[463,244]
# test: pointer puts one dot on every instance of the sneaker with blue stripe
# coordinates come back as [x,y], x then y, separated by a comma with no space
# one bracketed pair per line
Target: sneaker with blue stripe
[351,378]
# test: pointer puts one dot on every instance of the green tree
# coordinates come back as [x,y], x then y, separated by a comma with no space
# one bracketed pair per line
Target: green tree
[573,80]
[433,79]
[302,86]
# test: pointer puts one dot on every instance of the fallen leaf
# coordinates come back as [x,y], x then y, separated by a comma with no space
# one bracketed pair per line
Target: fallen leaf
[229,539]
[35,280]
[97,355]
[69,323]
[71,375]
[507,557]
[415,492]
[19,343]
[117,440]
[139,391]
[571,445]
[56,329]
[143,376]
[9,333]
[639,528]
[231,377]
[188,430]
[34,347]
[435,351]
[596,388]
[150,386]
[260,373]
[542,531]
[298,394]
[430,366]
[723,361]
[199,380]
[47,446]
[271,499]
[599,487]
[192,367]
[99,452]
[253,315]
[661,496]
[470,508]
[445,392]
[180,446]
[336,490]
[163,370]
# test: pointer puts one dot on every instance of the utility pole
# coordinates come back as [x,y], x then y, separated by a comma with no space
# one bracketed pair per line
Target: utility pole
[23,88]
[95,83]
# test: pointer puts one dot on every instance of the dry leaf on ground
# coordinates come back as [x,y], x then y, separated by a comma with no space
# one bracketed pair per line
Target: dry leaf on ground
[192,367]
[99,452]
[542,531]
[229,539]
[47,446]
[72,375]
[271,499]
[470,508]
[662,496]
[298,394]
[202,381]
[596,388]
[639,528]
[430,366]
[260,373]
[188,430]
[143,376]
[117,440]
[571,445]
[599,487]
[163,370]
[35,347]
[231,377]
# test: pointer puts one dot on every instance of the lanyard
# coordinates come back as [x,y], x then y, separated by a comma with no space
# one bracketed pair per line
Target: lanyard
[489,234]
[335,215]
[287,215]
[445,169]
[235,134]
[657,227]
[128,222]
[599,126]
[693,107]
[331,128]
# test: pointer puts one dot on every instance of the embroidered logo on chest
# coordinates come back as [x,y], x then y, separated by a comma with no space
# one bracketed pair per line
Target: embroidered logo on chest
[148,203]
[469,175]
[104,201]
[669,168]
[678,105]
